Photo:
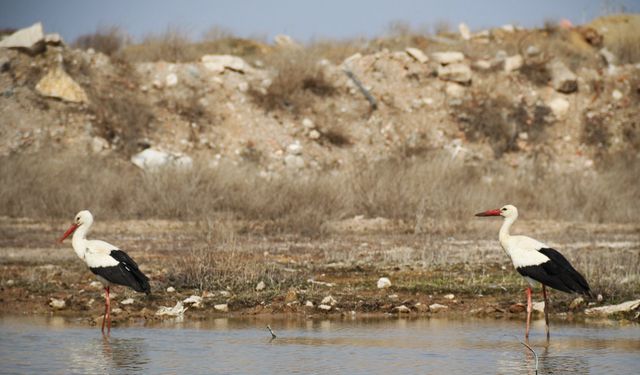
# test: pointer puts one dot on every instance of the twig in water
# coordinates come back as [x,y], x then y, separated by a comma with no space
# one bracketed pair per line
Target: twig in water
[273,335]
[534,354]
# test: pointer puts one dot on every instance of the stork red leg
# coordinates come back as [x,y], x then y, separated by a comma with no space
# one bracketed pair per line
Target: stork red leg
[529,310]
[546,309]
[107,311]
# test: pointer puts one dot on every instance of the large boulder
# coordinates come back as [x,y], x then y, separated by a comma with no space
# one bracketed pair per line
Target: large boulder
[460,73]
[58,84]
[562,78]
[30,39]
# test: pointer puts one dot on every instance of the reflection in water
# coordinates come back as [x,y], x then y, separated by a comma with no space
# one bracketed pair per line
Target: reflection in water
[327,346]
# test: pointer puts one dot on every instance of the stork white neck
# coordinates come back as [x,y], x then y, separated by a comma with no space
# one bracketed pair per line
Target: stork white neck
[504,235]
[79,239]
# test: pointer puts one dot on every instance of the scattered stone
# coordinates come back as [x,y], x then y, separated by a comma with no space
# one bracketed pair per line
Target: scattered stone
[295,148]
[128,301]
[576,303]
[559,107]
[294,161]
[175,311]
[116,311]
[171,79]
[324,307]
[446,58]
[392,296]
[482,65]
[308,124]
[53,39]
[282,40]
[323,283]
[616,95]
[517,308]
[449,296]
[455,72]
[223,307]
[308,304]
[465,33]
[171,289]
[417,54]
[219,63]
[538,306]
[96,284]
[512,63]
[260,286]
[613,309]
[30,39]
[98,144]
[329,300]
[455,90]
[152,159]
[533,50]
[314,134]
[384,283]
[58,84]
[402,309]
[193,301]
[349,60]
[608,57]
[225,293]
[208,294]
[57,304]
[599,297]
[508,28]
[562,78]
[10,282]
[437,307]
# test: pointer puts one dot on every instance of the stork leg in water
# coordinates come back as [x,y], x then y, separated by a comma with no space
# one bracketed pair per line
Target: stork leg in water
[546,309]
[529,310]
[107,311]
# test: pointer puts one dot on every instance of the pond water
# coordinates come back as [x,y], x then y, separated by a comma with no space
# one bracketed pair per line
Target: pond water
[37,345]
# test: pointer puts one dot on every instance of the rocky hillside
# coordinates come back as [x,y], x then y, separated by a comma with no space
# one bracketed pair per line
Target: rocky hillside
[560,96]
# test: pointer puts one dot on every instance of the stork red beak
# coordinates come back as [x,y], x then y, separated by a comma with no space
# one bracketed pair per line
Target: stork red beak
[489,213]
[66,234]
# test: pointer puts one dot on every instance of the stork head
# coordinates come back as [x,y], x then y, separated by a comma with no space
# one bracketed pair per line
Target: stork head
[83,218]
[508,211]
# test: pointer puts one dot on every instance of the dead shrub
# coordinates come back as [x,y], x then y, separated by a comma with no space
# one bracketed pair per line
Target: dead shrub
[298,81]
[107,40]
[595,130]
[536,72]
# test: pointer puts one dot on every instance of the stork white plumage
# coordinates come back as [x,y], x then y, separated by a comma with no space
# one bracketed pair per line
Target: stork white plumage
[111,265]
[536,261]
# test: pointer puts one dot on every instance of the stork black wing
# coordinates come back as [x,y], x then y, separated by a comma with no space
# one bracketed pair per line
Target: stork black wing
[125,273]
[557,273]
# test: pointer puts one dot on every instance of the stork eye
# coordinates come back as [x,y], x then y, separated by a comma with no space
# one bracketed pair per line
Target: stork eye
[504,208]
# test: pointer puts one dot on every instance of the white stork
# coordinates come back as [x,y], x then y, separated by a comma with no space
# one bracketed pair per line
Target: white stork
[536,261]
[110,264]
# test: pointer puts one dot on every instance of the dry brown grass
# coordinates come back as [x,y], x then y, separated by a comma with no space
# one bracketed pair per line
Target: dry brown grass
[621,36]
[108,40]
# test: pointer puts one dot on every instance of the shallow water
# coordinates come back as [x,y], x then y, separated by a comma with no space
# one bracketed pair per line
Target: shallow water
[361,346]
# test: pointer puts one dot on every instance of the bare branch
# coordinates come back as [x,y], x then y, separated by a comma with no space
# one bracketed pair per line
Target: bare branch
[273,335]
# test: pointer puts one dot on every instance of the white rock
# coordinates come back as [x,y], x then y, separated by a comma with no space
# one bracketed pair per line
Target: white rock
[30,38]
[307,123]
[218,63]
[445,58]
[616,95]
[282,40]
[171,79]
[383,283]
[533,50]
[314,134]
[151,159]
[449,296]
[96,284]
[294,148]
[324,307]
[455,72]
[402,309]
[559,106]
[98,144]
[57,304]
[612,309]
[454,90]
[608,57]
[171,289]
[194,301]
[512,63]
[260,286]
[176,311]
[223,307]
[538,306]
[328,300]
[351,59]
[417,54]
[465,33]
[128,301]
[562,78]
[392,296]
[308,304]
[437,307]
[53,39]
[482,64]
[116,311]
[508,28]
[294,161]
[225,293]
[58,84]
